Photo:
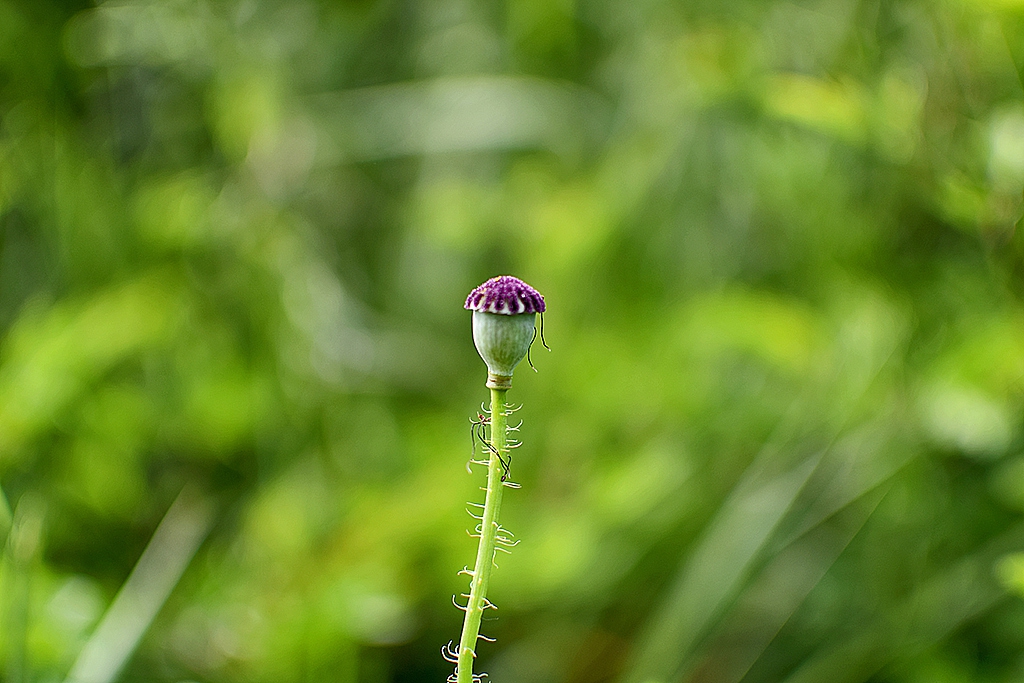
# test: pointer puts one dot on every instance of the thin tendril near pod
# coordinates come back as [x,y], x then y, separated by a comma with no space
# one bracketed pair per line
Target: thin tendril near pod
[542,341]
[528,358]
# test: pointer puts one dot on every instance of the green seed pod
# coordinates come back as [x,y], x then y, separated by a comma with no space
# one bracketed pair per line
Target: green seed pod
[504,324]
[502,341]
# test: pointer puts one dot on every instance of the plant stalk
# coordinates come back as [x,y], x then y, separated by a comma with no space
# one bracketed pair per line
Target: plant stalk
[485,550]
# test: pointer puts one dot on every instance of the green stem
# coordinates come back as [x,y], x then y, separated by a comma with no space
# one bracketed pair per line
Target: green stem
[485,550]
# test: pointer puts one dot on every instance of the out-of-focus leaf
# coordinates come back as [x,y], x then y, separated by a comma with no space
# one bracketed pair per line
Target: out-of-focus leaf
[50,356]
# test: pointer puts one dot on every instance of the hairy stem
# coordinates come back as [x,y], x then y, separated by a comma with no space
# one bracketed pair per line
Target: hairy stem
[485,550]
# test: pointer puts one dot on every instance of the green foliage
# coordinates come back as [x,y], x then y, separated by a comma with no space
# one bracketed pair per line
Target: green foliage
[779,437]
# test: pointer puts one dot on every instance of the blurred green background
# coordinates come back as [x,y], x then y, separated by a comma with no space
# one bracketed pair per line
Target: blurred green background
[779,437]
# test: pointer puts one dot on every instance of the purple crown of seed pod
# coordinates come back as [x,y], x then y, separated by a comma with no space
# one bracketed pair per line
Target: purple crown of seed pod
[505,295]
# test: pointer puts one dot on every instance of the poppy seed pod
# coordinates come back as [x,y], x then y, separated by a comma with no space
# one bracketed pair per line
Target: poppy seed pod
[504,323]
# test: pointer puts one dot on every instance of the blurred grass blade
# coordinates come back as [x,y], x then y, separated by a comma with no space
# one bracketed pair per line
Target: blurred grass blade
[5,517]
[856,465]
[158,570]
[21,559]
[715,571]
[11,607]
[848,486]
[942,604]
[778,591]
